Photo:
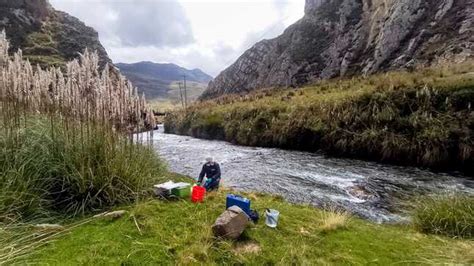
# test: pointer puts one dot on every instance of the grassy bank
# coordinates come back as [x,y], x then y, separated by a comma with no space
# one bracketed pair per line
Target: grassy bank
[178,232]
[423,118]
[48,166]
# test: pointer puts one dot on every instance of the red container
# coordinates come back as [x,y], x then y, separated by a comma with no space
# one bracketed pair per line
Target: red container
[198,194]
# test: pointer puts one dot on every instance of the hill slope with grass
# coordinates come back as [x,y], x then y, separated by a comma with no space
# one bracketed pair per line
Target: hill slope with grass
[47,36]
[161,80]
[423,118]
[337,38]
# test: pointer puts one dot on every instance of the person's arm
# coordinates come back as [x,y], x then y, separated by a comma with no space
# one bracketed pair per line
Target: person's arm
[201,175]
[218,172]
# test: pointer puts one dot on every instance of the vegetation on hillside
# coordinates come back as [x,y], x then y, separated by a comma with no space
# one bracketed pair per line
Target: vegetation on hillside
[179,232]
[421,118]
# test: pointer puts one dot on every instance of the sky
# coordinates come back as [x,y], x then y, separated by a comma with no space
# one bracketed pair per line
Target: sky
[205,34]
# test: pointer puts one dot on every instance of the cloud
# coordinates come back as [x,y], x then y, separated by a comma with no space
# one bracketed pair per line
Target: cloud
[205,34]
[133,23]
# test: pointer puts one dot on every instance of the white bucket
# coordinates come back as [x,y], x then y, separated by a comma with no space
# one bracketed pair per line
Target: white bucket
[271,217]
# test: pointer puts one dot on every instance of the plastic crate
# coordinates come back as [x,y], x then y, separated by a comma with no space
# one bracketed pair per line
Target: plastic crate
[236,200]
[182,192]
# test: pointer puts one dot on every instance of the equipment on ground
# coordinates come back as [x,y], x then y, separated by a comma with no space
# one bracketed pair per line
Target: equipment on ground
[254,216]
[170,188]
[197,194]
[271,218]
[236,200]
[181,192]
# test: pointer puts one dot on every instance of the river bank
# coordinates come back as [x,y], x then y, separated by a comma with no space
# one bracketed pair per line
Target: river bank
[178,232]
[373,191]
[422,118]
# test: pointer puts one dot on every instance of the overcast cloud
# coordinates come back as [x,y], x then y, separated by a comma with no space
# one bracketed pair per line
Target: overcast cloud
[205,34]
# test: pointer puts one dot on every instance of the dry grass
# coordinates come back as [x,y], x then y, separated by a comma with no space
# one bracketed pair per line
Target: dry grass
[246,248]
[333,220]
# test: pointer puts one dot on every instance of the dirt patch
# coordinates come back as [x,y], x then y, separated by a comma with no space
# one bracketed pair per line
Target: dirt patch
[246,248]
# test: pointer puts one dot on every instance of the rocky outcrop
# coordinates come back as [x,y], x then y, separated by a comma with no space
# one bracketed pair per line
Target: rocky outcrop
[352,37]
[47,36]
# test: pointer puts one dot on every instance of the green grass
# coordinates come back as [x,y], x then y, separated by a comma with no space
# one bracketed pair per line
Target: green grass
[446,215]
[48,166]
[178,232]
[41,48]
[422,118]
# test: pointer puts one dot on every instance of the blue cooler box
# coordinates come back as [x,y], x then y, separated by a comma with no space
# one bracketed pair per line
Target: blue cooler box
[235,200]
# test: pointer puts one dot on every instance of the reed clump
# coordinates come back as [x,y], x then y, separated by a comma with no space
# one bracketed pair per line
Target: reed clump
[451,215]
[421,118]
[67,140]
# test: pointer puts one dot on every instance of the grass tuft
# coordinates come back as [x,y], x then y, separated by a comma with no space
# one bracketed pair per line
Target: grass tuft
[333,220]
[446,215]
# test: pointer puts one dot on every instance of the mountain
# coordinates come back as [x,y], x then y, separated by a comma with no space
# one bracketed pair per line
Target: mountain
[47,36]
[161,80]
[353,37]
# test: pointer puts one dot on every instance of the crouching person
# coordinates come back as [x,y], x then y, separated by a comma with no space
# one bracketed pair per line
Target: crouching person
[212,171]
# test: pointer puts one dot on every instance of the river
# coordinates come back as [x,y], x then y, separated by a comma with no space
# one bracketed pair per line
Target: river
[378,192]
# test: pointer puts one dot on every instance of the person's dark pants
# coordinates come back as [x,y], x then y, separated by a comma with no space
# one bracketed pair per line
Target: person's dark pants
[212,184]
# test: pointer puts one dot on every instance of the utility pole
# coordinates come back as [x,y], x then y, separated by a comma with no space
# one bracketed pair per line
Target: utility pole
[181,94]
[185,94]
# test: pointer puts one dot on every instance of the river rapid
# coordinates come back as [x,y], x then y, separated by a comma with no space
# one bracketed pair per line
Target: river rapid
[378,192]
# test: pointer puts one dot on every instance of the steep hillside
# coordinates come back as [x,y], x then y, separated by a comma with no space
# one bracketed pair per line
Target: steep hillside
[47,36]
[161,80]
[353,37]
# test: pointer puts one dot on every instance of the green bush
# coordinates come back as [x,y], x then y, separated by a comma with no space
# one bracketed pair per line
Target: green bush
[446,215]
[49,166]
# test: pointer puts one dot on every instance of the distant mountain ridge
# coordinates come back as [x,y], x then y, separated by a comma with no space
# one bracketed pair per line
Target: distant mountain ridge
[338,38]
[158,80]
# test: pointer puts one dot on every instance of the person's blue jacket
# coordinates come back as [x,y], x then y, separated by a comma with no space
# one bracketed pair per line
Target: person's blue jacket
[210,170]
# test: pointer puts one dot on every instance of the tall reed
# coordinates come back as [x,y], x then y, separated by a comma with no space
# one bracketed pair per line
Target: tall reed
[66,138]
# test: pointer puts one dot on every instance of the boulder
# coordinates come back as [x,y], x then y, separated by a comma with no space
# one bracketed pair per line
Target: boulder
[231,223]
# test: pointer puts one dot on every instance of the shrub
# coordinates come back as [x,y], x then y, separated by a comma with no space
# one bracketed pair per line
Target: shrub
[446,215]
[47,168]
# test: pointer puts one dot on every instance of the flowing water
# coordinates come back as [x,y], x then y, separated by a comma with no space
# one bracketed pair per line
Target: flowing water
[370,190]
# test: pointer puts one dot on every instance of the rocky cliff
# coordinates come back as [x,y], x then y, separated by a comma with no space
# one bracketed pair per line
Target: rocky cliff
[47,36]
[352,37]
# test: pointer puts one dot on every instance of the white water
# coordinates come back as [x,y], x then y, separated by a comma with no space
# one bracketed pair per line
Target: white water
[370,190]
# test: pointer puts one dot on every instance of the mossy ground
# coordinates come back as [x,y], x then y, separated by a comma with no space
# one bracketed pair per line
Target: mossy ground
[179,232]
